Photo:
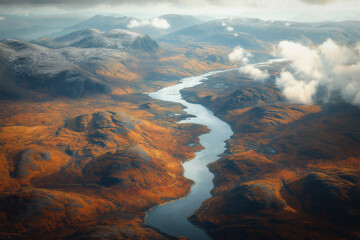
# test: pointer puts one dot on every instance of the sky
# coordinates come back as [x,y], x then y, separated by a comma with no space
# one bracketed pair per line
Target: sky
[295,10]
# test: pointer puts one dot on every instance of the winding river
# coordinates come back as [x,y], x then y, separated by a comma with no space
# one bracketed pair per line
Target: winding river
[171,218]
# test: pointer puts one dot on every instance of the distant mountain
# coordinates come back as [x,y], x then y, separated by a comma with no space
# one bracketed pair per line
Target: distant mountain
[114,39]
[248,32]
[106,23]
[50,71]
[103,23]
[32,27]
[70,66]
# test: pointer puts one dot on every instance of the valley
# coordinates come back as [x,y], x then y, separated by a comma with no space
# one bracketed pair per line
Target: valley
[172,127]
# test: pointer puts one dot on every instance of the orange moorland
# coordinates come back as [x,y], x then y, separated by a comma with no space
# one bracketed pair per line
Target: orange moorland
[290,171]
[89,167]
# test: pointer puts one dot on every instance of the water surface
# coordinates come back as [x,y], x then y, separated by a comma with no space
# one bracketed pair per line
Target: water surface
[171,218]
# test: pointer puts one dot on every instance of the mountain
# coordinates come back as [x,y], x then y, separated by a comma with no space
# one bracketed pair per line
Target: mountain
[36,67]
[33,27]
[69,67]
[113,39]
[173,23]
[88,62]
[252,33]
[103,23]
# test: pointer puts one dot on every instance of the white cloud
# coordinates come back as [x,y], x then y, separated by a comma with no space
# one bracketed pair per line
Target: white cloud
[335,54]
[304,59]
[154,22]
[2,18]
[229,29]
[254,72]
[239,54]
[296,91]
[330,66]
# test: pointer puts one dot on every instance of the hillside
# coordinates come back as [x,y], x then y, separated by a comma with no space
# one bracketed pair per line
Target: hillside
[290,171]
[84,152]
[91,62]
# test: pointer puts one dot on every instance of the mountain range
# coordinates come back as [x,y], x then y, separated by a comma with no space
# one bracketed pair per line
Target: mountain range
[85,152]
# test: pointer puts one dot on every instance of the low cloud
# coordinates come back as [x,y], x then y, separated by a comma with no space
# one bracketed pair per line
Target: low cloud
[304,59]
[240,55]
[254,72]
[329,66]
[2,18]
[229,29]
[296,91]
[155,22]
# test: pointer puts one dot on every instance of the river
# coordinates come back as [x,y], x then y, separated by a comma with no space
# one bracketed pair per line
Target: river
[171,218]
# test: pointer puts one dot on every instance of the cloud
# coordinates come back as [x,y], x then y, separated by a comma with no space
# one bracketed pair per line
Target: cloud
[254,72]
[329,66]
[239,54]
[155,22]
[229,29]
[296,91]
[318,2]
[304,59]
[2,18]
